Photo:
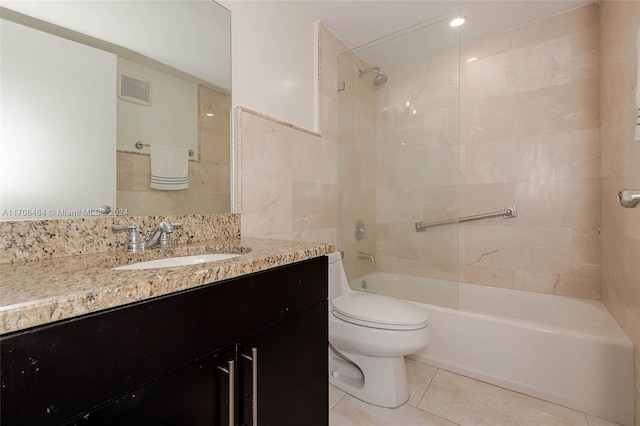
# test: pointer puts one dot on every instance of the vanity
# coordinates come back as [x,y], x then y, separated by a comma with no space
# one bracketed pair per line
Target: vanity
[237,342]
[241,341]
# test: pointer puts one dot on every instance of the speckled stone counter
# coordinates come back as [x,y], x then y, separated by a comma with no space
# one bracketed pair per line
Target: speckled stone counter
[42,291]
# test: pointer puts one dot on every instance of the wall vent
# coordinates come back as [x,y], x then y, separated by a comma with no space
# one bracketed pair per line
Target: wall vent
[134,89]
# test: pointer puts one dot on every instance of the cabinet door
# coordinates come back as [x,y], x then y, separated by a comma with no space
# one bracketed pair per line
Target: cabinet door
[292,372]
[195,395]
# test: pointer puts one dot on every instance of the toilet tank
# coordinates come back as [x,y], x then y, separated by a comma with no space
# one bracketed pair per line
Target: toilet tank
[338,284]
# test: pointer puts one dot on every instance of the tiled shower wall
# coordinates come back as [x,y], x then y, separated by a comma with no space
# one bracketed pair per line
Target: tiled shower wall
[417,162]
[209,178]
[620,23]
[529,135]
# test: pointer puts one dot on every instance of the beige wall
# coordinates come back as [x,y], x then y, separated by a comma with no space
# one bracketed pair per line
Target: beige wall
[529,136]
[288,185]
[620,168]
[209,178]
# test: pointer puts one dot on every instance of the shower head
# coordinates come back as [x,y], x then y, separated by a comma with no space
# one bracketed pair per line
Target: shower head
[380,78]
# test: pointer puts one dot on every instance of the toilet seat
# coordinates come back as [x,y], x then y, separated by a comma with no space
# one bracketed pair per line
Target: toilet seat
[376,311]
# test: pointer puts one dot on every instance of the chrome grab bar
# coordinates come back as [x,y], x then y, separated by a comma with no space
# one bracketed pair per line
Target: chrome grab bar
[507,213]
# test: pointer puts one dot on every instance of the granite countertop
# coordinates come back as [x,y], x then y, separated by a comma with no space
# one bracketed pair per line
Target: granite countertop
[39,292]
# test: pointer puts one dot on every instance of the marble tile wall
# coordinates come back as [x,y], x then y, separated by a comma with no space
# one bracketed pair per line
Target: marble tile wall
[209,177]
[620,168]
[529,136]
[417,163]
[288,187]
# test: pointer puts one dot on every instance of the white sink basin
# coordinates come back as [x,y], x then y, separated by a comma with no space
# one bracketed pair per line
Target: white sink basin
[178,261]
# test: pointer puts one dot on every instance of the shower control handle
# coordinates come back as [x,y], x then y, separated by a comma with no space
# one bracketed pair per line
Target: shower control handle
[360,231]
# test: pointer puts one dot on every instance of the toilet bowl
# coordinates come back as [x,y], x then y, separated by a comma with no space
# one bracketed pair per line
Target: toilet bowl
[369,335]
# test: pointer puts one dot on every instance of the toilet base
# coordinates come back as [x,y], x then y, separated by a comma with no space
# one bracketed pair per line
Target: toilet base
[377,380]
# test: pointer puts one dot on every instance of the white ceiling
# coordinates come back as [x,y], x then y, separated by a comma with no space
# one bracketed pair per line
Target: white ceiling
[357,22]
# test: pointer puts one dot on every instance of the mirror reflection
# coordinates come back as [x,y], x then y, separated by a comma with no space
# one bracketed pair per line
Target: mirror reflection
[118,104]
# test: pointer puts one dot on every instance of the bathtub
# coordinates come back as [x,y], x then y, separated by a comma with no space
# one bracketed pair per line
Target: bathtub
[564,350]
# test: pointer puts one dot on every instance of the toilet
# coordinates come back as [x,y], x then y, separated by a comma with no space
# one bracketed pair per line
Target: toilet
[369,335]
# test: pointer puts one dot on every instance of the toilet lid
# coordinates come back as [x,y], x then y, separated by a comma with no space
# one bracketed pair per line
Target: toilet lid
[374,310]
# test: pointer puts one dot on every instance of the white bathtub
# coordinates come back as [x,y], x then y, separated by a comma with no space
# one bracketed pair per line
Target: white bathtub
[565,350]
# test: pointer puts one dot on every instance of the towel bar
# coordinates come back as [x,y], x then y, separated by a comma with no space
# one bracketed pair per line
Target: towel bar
[139,145]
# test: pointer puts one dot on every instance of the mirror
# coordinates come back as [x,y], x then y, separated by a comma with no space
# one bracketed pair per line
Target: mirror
[89,87]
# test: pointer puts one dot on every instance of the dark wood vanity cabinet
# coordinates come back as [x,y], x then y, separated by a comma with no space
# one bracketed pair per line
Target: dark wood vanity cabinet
[166,361]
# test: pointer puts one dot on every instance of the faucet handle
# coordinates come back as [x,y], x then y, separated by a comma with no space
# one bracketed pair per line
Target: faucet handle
[165,239]
[135,243]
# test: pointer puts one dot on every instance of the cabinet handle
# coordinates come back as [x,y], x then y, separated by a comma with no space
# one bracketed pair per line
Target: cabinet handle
[232,378]
[254,381]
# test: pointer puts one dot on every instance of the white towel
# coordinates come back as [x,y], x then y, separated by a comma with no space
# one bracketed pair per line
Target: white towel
[637,134]
[169,167]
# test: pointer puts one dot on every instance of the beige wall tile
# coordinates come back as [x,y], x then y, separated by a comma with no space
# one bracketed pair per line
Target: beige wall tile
[529,136]
[267,206]
[535,249]
[125,172]
[314,206]
[564,203]
[620,252]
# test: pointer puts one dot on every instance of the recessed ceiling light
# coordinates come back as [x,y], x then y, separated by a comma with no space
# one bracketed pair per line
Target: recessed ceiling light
[456,22]
[472,59]
[209,114]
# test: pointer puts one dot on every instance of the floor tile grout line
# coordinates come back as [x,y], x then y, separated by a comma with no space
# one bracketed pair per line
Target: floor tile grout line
[338,401]
[427,411]
[426,388]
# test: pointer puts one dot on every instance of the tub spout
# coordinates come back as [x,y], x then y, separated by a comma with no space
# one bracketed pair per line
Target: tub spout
[629,198]
[366,256]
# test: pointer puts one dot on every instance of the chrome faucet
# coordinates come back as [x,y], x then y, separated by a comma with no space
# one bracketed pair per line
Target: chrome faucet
[157,237]
[366,256]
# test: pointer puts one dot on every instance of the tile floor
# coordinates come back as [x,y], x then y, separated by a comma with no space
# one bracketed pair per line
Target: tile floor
[441,398]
